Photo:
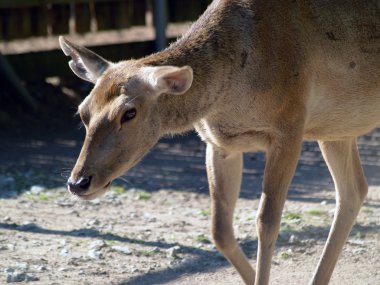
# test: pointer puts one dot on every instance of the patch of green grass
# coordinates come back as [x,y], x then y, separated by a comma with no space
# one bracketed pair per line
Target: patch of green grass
[287,228]
[360,235]
[2,233]
[43,197]
[143,195]
[202,239]
[205,213]
[367,210]
[110,242]
[118,189]
[285,255]
[292,216]
[316,212]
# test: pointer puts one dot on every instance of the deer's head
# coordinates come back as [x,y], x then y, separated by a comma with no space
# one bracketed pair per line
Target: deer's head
[121,115]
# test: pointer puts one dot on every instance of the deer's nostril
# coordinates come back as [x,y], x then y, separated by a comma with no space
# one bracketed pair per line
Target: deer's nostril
[79,186]
[84,182]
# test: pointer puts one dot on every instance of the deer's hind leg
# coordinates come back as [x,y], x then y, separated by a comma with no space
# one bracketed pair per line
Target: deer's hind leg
[343,161]
[224,171]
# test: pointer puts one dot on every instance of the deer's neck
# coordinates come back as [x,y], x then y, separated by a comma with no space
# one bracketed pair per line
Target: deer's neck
[212,49]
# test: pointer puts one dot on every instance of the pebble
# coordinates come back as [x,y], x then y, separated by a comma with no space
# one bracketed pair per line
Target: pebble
[15,276]
[95,201]
[93,222]
[94,254]
[6,219]
[173,251]
[37,189]
[31,277]
[324,202]
[42,268]
[64,252]
[122,249]
[9,270]
[149,218]
[294,239]
[97,244]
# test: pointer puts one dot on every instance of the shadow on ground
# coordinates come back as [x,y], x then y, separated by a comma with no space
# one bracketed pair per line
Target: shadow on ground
[201,260]
[175,163]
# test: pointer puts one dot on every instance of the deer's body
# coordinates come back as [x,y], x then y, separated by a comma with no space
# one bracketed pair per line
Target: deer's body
[263,75]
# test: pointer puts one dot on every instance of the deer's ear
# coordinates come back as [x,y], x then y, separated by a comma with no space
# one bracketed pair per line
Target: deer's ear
[85,63]
[170,79]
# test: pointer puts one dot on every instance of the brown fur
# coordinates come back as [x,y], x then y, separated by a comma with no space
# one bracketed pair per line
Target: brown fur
[265,75]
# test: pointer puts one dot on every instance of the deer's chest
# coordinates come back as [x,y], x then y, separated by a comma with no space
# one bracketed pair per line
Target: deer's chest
[232,135]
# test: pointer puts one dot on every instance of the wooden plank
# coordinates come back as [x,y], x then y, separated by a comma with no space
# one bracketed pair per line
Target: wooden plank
[17,23]
[82,18]
[104,18]
[122,12]
[59,19]
[31,3]
[139,9]
[39,21]
[54,63]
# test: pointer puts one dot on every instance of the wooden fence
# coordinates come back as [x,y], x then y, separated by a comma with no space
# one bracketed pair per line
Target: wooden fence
[40,18]
[29,29]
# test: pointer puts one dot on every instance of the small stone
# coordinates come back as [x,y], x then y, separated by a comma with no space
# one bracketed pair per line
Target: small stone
[64,252]
[37,189]
[294,239]
[62,269]
[324,202]
[149,218]
[81,272]
[94,254]
[6,219]
[173,251]
[95,201]
[31,277]
[62,243]
[154,249]
[42,268]
[9,270]
[93,222]
[22,266]
[122,249]
[16,276]
[97,244]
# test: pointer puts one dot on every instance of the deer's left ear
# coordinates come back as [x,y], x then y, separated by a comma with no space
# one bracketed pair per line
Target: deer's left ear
[85,63]
[169,79]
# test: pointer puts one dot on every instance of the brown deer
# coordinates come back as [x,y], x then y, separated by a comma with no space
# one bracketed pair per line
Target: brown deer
[248,75]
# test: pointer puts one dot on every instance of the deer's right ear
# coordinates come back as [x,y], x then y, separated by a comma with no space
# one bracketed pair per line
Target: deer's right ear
[85,63]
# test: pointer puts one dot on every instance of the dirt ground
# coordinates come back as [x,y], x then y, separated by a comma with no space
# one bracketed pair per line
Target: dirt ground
[152,227]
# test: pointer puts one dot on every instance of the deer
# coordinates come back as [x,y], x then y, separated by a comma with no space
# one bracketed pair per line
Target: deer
[248,76]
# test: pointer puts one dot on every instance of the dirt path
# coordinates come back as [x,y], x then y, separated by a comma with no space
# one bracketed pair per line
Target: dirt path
[153,226]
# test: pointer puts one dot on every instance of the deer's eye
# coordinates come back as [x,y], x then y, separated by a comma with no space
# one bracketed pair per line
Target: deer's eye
[128,115]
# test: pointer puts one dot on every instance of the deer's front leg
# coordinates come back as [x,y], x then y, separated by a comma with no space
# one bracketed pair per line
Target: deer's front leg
[280,165]
[224,171]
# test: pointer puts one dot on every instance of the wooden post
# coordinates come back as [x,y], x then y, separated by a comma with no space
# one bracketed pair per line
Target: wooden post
[160,22]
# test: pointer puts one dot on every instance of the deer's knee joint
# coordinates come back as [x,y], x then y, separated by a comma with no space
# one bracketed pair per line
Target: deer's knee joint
[223,238]
[267,228]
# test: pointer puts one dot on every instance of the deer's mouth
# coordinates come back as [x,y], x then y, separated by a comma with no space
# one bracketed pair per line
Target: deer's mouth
[90,195]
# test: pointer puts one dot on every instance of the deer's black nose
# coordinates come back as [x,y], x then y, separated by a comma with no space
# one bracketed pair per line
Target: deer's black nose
[79,186]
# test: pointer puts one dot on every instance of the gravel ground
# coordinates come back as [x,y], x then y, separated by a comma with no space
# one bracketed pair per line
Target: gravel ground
[152,227]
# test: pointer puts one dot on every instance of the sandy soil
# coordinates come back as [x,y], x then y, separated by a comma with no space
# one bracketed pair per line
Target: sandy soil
[152,227]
